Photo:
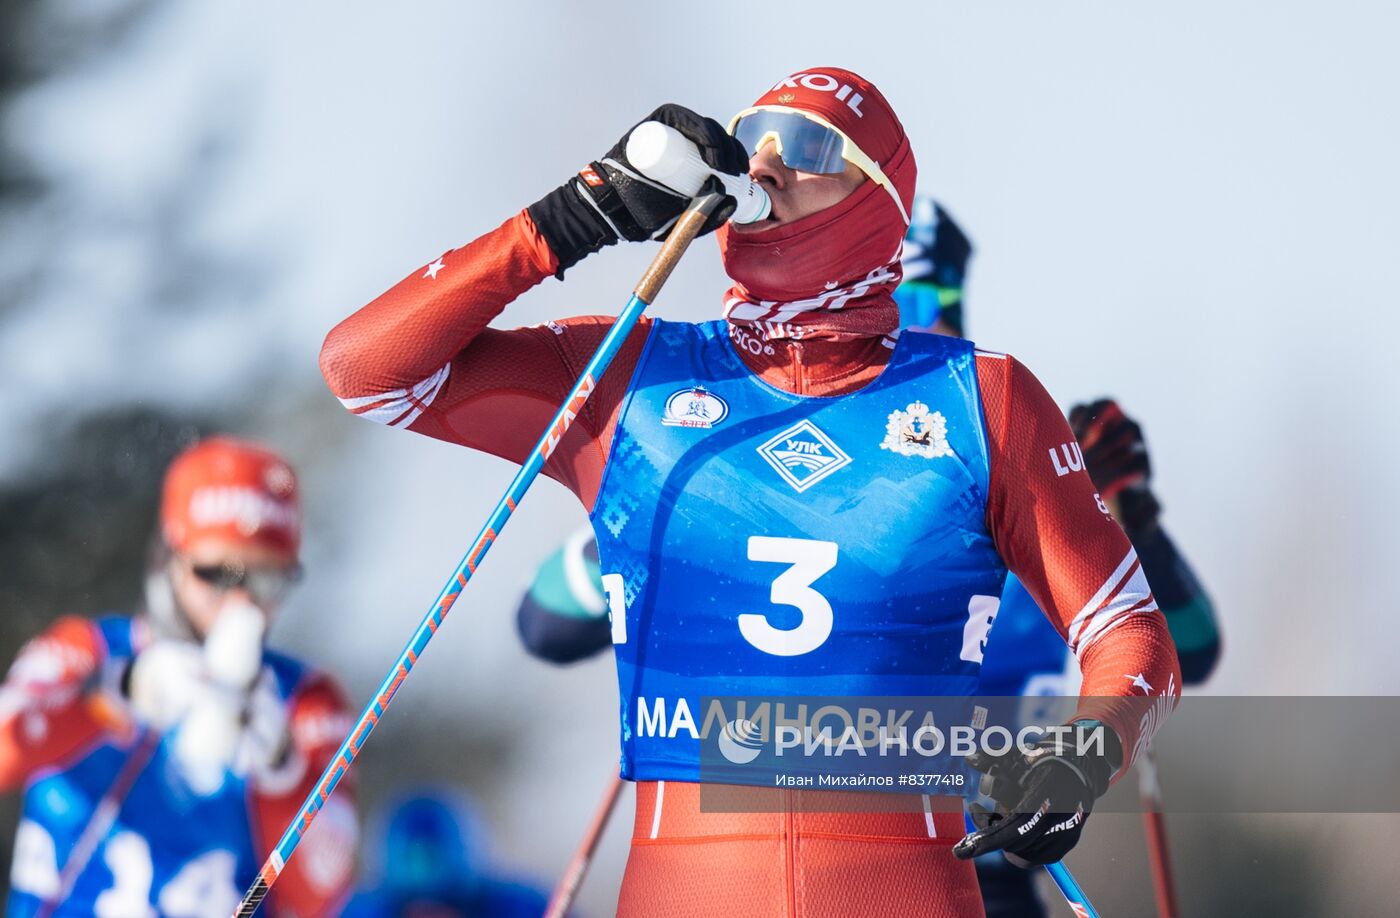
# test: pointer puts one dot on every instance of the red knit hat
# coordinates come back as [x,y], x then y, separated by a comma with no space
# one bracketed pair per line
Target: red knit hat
[233,490]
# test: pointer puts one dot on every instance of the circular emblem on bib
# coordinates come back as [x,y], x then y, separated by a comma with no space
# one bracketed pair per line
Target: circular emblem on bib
[694,406]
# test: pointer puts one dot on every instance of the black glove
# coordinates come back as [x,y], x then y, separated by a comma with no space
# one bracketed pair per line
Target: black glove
[1115,455]
[609,199]
[1043,797]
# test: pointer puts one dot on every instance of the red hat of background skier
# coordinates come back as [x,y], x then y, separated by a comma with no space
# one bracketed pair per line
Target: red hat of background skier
[856,239]
[234,491]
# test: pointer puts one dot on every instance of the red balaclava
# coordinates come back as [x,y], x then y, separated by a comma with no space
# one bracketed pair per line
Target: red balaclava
[830,274]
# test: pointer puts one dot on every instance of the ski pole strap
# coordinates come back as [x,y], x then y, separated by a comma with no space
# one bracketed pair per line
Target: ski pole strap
[684,232]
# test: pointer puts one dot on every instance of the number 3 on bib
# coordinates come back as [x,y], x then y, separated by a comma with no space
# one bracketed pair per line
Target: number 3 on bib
[808,560]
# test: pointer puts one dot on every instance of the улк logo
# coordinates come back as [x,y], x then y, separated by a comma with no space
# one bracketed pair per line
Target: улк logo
[694,406]
[803,455]
[916,431]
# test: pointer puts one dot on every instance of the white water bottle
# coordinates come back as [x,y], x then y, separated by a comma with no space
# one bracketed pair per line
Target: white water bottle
[663,154]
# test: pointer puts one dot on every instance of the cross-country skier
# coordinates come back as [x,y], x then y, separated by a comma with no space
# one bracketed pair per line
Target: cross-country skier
[789,541]
[563,616]
[162,755]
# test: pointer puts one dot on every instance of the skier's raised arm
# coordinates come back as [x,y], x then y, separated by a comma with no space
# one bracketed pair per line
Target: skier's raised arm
[421,355]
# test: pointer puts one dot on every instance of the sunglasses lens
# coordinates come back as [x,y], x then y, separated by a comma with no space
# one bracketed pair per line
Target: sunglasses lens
[263,584]
[269,585]
[805,145]
[220,576]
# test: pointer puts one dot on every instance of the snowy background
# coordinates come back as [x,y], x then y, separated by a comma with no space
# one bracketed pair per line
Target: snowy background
[1193,207]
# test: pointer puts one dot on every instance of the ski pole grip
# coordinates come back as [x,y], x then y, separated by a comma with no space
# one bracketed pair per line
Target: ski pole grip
[687,227]
[663,154]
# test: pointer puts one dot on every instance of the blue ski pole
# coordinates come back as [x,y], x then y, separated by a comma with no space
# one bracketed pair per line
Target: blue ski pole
[1064,880]
[1069,887]
[684,232]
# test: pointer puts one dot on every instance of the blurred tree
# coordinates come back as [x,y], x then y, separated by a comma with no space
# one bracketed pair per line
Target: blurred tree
[77,511]
[39,40]
[74,533]
[76,518]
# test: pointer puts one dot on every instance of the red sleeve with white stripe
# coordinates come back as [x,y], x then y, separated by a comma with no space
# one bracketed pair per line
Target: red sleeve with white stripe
[421,356]
[47,711]
[1057,535]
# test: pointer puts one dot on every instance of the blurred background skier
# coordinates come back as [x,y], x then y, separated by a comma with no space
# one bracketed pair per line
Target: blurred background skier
[431,859]
[161,755]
